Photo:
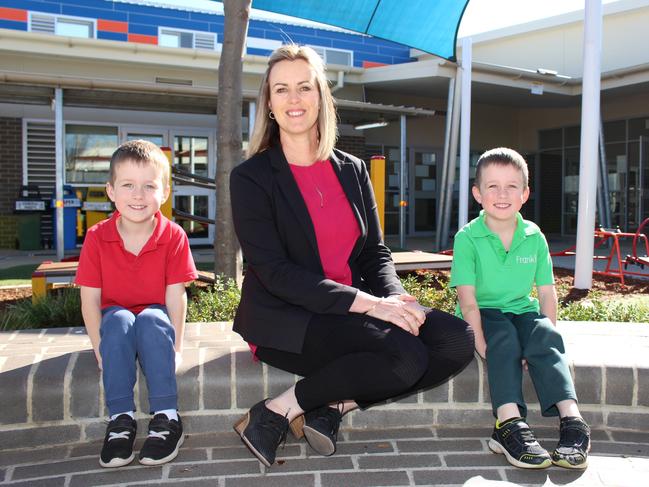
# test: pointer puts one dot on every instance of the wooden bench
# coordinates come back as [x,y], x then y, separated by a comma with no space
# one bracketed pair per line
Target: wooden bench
[49,273]
[415,260]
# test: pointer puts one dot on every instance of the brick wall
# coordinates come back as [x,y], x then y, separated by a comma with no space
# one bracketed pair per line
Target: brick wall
[10,175]
[354,145]
[10,162]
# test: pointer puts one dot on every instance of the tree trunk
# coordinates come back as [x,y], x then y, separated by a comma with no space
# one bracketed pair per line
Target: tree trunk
[227,255]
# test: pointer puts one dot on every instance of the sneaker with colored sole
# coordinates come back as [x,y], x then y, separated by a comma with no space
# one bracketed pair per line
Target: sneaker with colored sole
[515,440]
[574,443]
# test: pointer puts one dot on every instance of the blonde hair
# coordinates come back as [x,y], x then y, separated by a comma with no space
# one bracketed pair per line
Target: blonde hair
[501,156]
[141,152]
[266,131]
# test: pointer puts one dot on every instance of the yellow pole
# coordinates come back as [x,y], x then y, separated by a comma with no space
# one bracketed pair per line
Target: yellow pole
[377,176]
[39,286]
[166,206]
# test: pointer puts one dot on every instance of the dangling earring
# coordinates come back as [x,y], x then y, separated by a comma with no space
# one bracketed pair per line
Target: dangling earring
[271,115]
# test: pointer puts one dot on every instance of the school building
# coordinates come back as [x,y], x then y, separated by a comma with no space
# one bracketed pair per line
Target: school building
[145,70]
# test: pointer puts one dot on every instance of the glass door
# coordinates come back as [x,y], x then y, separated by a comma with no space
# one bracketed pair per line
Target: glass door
[423,197]
[570,191]
[194,152]
[392,191]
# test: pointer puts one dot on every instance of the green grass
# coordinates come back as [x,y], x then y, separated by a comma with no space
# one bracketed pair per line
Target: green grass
[17,275]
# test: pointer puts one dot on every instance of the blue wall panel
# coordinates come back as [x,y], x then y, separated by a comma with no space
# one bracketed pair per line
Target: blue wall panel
[105,4]
[396,52]
[155,11]
[216,28]
[355,46]
[144,29]
[93,13]
[13,25]
[48,7]
[341,36]
[145,20]
[168,22]
[258,52]
[112,36]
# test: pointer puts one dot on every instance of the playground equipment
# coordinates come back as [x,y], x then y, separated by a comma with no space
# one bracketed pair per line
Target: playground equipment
[616,266]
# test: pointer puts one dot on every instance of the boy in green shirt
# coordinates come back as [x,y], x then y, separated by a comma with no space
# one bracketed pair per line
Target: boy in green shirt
[497,259]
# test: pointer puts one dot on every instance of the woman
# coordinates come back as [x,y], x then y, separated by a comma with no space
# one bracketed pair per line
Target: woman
[321,297]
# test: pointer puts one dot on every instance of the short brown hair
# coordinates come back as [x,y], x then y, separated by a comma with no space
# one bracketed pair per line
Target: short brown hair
[266,131]
[140,152]
[502,156]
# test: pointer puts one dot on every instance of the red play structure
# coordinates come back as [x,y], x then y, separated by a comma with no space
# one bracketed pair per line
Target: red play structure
[616,266]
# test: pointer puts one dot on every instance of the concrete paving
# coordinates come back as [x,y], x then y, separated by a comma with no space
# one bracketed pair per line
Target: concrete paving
[414,457]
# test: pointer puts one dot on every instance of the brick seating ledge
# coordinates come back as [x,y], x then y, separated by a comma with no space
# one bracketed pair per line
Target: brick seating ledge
[50,385]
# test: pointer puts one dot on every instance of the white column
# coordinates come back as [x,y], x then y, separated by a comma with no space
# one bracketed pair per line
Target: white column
[402,185]
[441,185]
[465,132]
[589,134]
[58,141]
[252,114]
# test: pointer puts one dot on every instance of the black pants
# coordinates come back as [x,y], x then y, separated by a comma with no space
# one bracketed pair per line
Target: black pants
[369,360]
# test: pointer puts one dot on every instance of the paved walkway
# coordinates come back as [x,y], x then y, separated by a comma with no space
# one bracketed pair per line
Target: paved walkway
[423,456]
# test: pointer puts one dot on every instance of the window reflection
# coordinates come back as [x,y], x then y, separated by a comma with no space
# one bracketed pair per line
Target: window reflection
[190,154]
[87,153]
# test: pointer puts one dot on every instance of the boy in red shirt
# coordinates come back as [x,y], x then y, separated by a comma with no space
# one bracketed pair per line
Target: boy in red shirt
[132,272]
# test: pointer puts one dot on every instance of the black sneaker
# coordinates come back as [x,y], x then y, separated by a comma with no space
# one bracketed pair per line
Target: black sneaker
[321,429]
[262,430]
[118,442]
[163,442]
[515,440]
[574,443]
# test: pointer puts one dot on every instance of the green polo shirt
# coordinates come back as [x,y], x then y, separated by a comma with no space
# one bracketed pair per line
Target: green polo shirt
[502,280]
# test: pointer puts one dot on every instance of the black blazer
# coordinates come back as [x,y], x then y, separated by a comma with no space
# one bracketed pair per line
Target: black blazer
[284,283]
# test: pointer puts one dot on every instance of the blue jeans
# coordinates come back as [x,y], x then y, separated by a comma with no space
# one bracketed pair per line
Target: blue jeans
[148,338]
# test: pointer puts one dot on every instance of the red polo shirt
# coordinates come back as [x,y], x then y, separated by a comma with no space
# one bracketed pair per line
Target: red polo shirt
[132,281]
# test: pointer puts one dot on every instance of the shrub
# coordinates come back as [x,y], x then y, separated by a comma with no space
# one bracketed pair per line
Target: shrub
[60,308]
[431,290]
[214,303]
[600,310]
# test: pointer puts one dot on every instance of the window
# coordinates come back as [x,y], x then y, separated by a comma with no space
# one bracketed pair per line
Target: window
[335,56]
[74,28]
[62,26]
[87,153]
[187,39]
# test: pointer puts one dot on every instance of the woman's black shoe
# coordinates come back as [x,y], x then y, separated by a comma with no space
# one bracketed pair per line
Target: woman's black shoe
[262,430]
[321,429]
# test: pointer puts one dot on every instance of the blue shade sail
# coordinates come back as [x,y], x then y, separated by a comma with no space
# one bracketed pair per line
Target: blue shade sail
[428,25]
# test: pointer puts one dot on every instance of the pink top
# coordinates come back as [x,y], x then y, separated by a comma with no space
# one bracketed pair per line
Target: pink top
[336,228]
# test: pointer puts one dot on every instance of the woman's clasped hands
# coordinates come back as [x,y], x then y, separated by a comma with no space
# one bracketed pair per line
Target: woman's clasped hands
[402,310]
